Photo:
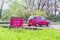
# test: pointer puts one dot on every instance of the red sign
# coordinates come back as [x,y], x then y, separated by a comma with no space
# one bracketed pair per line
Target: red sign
[16,21]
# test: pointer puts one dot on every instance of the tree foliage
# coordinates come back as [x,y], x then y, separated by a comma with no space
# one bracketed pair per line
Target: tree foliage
[28,8]
[15,10]
[40,13]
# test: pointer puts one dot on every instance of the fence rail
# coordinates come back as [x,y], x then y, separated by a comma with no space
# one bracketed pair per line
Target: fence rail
[4,22]
[7,22]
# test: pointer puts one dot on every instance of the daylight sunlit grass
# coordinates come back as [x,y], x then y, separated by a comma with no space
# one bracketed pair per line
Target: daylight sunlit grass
[26,34]
[55,22]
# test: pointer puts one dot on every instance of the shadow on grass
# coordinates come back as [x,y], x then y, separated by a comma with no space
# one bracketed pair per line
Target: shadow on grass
[9,27]
[5,26]
[27,28]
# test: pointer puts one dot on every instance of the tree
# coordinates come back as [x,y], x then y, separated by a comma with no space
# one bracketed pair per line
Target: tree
[1,9]
[55,7]
[40,13]
[16,10]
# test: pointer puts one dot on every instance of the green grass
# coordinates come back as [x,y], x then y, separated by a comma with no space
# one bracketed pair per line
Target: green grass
[55,22]
[26,34]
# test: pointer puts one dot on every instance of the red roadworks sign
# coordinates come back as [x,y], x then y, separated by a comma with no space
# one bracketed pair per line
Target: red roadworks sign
[16,21]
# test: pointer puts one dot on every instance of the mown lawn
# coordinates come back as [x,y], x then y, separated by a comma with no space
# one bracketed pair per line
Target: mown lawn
[55,22]
[26,34]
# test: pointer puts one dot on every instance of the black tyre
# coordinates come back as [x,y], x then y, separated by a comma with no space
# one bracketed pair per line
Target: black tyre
[40,25]
[29,25]
[36,25]
[48,24]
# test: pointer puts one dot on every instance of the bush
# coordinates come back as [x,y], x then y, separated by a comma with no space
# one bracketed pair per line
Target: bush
[40,13]
[54,18]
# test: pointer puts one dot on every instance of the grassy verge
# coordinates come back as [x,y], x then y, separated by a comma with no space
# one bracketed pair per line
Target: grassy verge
[25,34]
[55,22]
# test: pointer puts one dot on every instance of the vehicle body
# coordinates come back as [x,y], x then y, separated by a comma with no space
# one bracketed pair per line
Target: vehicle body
[37,21]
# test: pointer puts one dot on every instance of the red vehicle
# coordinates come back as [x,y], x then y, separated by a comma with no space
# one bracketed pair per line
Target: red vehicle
[38,21]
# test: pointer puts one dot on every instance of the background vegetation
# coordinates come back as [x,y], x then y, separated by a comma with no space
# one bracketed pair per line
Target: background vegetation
[26,8]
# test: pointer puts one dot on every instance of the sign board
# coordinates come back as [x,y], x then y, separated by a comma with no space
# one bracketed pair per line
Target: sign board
[16,21]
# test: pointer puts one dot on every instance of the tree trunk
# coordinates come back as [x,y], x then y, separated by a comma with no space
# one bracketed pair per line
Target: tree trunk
[1,8]
[55,8]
